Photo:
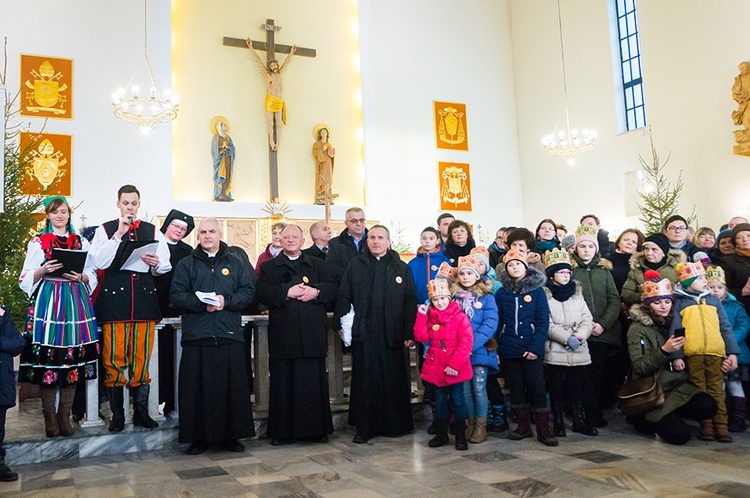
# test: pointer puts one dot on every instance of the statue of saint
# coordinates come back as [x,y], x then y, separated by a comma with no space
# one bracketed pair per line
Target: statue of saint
[275,105]
[741,95]
[222,152]
[323,153]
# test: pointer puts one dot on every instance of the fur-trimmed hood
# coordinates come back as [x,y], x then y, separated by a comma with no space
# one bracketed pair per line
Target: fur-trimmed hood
[532,281]
[598,261]
[674,256]
[638,313]
[481,288]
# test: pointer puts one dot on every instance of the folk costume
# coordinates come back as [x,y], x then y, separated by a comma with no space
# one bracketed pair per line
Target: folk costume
[127,309]
[299,407]
[61,330]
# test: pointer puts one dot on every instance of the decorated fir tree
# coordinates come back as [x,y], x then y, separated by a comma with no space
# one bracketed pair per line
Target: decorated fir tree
[660,199]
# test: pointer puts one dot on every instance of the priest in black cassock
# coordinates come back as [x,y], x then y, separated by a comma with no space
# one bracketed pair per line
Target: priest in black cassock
[177,225]
[381,288]
[214,392]
[296,288]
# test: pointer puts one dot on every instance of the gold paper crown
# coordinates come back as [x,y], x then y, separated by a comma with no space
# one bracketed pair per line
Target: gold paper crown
[687,270]
[586,231]
[438,287]
[480,250]
[651,290]
[716,274]
[469,262]
[555,256]
[515,254]
[447,271]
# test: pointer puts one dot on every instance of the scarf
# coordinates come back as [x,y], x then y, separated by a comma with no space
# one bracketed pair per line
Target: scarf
[655,266]
[466,300]
[562,292]
[743,252]
[547,245]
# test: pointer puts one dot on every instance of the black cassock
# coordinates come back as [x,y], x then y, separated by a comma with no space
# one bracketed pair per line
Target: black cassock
[384,299]
[299,405]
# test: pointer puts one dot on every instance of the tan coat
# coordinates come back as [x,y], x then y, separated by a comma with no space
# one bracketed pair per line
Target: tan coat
[569,318]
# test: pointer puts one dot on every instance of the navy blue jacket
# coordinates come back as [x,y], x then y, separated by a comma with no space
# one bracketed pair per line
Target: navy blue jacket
[11,344]
[523,314]
[423,267]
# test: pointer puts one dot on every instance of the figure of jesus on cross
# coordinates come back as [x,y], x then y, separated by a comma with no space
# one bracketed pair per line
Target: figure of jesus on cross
[275,105]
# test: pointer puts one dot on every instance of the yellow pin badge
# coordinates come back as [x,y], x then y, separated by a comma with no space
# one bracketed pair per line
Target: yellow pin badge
[225,271]
[436,327]
[306,280]
[527,298]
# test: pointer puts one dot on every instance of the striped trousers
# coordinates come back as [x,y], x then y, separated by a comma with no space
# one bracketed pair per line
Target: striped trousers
[127,346]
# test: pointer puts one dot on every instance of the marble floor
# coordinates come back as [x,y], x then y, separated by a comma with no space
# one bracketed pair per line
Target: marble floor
[617,462]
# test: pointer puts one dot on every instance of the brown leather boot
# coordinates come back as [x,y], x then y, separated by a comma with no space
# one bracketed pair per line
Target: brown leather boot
[707,430]
[480,431]
[523,417]
[63,411]
[722,433]
[470,428]
[543,434]
[48,395]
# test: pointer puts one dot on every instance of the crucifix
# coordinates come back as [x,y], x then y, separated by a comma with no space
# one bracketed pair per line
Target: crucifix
[275,106]
[326,198]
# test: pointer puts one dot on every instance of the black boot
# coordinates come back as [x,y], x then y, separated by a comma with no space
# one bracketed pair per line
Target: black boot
[6,475]
[116,402]
[499,421]
[441,436]
[459,428]
[558,421]
[736,408]
[432,429]
[140,407]
[579,425]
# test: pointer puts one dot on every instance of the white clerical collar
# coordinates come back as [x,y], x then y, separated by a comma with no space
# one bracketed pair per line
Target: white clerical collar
[293,258]
[170,242]
[211,254]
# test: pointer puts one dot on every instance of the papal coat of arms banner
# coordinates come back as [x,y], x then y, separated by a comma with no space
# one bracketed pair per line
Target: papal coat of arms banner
[46,87]
[450,126]
[455,186]
[49,171]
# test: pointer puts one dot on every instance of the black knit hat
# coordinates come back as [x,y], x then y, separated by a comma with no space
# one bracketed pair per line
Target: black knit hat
[660,240]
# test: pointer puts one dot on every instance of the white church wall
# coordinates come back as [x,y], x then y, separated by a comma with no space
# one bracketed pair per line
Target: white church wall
[690,56]
[423,50]
[105,40]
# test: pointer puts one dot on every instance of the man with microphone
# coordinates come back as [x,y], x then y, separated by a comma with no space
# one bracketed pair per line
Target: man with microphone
[127,307]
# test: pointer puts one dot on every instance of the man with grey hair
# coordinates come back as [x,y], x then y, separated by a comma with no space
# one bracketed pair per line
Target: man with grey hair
[349,243]
[211,287]
[320,233]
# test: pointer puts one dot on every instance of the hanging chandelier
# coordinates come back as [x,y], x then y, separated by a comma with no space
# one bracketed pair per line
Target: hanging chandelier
[566,142]
[145,111]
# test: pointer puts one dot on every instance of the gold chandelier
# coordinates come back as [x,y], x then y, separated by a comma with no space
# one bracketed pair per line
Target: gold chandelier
[145,112]
[564,141]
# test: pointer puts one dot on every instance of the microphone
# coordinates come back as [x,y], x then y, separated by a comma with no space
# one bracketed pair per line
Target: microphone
[130,220]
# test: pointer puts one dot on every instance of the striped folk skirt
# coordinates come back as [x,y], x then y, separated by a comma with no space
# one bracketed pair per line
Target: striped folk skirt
[62,343]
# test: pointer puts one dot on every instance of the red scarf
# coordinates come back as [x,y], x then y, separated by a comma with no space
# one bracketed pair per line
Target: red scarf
[51,241]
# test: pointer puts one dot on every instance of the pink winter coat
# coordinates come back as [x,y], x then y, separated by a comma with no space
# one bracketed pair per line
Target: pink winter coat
[451,339]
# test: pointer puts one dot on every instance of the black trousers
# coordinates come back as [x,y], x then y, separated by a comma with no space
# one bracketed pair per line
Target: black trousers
[672,428]
[522,373]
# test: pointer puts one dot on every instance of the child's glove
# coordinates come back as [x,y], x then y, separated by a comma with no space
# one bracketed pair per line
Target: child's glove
[422,308]
[574,342]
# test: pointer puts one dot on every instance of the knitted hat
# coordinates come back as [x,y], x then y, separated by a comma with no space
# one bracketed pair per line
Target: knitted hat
[660,240]
[687,273]
[585,232]
[515,254]
[655,288]
[483,255]
[438,287]
[471,263]
[722,234]
[742,227]
[447,271]
[716,274]
[179,216]
[555,260]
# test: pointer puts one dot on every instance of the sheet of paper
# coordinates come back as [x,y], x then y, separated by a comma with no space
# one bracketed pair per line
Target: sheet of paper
[208,298]
[134,261]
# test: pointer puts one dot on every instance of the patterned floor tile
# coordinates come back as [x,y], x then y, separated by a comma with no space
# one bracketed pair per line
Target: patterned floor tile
[526,488]
[729,488]
[201,473]
[597,456]
[490,456]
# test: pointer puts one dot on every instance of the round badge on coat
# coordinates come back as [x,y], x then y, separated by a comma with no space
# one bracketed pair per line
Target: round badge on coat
[399,279]
[478,305]
[433,268]
[527,298]
[225,271]
[436,327]
[306,280]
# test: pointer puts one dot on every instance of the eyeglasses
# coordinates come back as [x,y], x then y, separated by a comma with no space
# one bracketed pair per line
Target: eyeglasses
[356,220]
[677,229]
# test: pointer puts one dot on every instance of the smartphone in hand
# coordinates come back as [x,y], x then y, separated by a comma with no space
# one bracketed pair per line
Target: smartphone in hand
[680,332]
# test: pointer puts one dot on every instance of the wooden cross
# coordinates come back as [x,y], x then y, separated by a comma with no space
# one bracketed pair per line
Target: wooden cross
[327,198]
[270,47]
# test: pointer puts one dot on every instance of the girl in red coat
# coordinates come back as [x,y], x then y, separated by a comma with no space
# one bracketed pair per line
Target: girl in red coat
[447,365]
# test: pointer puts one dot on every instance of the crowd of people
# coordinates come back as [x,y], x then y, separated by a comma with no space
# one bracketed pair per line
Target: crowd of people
[562,318]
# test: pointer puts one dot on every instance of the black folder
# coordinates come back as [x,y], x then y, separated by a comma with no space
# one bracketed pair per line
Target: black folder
[71,260]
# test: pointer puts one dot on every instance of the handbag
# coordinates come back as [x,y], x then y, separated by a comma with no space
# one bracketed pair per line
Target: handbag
[640,395]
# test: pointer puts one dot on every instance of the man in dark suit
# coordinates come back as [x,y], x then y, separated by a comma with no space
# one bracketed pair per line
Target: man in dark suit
[320,233]
[349,243]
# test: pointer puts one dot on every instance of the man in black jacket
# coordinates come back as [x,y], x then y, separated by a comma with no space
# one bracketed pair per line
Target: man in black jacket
[214,392]
[296,288]
[349,243]
[381,289]
[320,233]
